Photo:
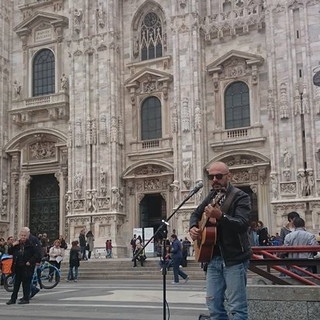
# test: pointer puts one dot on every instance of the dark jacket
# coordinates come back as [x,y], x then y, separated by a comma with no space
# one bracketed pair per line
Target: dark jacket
[176,249]
[82,240]
[23,253]
[74,258]
[232,228]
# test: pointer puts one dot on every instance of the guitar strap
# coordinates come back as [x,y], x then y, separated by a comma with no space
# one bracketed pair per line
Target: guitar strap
[228,200]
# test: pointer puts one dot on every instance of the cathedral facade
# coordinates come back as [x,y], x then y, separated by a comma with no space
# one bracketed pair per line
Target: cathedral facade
[112,110]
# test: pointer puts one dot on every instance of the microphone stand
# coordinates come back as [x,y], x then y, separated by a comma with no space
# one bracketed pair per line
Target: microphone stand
[163,224]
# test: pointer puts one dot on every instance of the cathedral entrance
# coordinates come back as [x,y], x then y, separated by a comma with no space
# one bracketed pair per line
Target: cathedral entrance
[44,206]
[152,212]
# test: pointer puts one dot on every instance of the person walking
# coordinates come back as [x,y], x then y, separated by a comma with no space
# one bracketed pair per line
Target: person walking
[25,256]
[74,261]
[90,243]
[226,276]
[82,242]
[176,251]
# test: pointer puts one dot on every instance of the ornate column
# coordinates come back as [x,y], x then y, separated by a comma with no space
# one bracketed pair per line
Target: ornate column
[61,177]
[23,200]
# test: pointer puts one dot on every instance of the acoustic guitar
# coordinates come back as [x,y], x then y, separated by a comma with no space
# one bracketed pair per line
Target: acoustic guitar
[203,247]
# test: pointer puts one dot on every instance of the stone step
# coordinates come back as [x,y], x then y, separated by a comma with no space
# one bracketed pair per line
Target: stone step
[123,269]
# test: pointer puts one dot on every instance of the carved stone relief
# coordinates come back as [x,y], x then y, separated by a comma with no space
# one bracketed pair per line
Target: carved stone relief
[185,115]
[78,133]
[68,199]
[174,118]
[77,14]
[270,104]
[303,182]
[317,99]
[42,150]
[116,199]
[197,117]
[288,188]
[78,182]
[274,185]
[186,167]
[4,200]
[283,102]
[315,209]
[175,188]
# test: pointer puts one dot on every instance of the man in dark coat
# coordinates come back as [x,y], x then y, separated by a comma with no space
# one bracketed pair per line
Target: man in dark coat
[25,256]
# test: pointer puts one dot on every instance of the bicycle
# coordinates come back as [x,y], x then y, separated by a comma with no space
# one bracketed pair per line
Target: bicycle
[47,275]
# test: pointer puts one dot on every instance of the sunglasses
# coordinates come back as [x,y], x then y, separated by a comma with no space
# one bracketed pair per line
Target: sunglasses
[218,176]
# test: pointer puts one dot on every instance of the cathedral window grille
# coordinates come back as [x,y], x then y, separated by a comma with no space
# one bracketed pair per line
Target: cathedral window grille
[237,105]
[151,41]
[151,127]
[43,73]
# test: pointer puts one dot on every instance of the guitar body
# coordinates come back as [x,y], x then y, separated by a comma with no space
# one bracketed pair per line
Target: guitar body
[203,247]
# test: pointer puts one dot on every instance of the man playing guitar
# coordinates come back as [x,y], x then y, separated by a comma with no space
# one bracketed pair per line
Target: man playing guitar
[227,270]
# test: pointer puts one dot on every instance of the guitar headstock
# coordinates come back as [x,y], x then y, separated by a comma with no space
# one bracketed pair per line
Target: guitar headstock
[221,193]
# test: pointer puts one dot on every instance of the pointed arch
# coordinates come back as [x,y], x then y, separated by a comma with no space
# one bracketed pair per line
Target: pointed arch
[149,31]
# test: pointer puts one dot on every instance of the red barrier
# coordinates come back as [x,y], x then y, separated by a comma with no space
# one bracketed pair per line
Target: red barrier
[268,250]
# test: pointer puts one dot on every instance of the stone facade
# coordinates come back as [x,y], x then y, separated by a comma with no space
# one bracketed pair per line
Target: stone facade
[88,131]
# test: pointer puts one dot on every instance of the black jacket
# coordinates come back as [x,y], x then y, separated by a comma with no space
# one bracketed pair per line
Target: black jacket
[23,253]
[232,228]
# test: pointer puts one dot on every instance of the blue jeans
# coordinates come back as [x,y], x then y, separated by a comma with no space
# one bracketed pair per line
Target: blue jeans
[71,275]
[227,284]
[177,271]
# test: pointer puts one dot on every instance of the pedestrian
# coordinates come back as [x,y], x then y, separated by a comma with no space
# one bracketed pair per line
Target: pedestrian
[56,254]
[45,245]
[9,243]
[82,242]
[185,251]
[253,234]
[289,226]
[74,261]
[25,257]
[109,249]
[176,253]
[263,235]
[63,243]
[226,276]
[139,253]
[166,261]
[300,237]
[90,243]
[133,244]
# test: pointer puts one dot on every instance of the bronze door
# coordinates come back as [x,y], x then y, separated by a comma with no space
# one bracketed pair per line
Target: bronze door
[44,206]
[152,212]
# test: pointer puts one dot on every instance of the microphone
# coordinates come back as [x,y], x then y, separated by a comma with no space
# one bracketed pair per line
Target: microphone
[196,188]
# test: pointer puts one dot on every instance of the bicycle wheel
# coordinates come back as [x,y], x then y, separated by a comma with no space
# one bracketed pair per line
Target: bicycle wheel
[49,277]
[8,282]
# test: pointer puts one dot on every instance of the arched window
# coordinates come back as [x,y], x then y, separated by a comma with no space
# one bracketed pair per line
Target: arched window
[237,105]
[43,73]
[151,127]
[151,37]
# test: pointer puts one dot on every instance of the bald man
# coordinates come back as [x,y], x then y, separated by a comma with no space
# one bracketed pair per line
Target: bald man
[227,269]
